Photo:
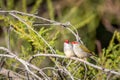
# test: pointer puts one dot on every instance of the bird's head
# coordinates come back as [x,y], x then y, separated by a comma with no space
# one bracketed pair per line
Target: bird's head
[75,42]
[66,41]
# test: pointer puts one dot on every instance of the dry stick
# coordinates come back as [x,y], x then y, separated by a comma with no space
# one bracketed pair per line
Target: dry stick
[43,19]
[71,76]
[65,25]
[13,11]
[85,71]
[108,76]
[32,15]
[43,24]
[35,32]
[77,35]
[55,22]
[28,68]
[26,73]
[60,56]
[51,21]
[42,68]
[76,39]
[76,68]
[21,70]
[79,40]
[20,60]
[63,61]
[80,60]
[65,70]
[6,55]
[8,75]
[14,75]
[70,61]
[51,68]
[72,32]
[53,51]
[26,64]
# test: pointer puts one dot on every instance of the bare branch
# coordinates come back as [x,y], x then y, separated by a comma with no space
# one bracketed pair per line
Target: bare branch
[85,71]
[26,64]
[63,70]
[33,31]
[51,21]
[6,55]
[71,76]
[81,60]
[38,17]
[12,74]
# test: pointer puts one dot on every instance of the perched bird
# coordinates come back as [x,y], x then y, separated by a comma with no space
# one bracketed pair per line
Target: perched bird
[68,50]
[80,50]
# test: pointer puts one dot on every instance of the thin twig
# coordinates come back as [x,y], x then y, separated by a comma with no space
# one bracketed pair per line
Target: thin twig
[59,56]
[70,75]
[32,15]
[108,76]
[26,74]
[14,75]
[85,71]
[69,63]
[76,68]
[51,21]
[80,60]
[53,51]
[63,70]
[26,64]
[77,35]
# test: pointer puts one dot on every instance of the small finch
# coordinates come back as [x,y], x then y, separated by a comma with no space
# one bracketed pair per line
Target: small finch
[80,50]
[68,50]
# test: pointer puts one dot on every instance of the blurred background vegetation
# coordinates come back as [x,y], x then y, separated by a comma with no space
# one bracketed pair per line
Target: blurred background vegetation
[97,21]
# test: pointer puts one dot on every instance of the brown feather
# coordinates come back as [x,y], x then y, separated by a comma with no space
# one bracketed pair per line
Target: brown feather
[85,49]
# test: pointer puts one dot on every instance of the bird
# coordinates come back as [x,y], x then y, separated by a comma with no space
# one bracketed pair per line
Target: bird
[68,49]
[81,50]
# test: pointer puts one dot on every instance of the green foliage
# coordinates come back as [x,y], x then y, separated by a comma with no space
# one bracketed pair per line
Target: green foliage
[110,56]
[50,9]
[84,16]
[36,6]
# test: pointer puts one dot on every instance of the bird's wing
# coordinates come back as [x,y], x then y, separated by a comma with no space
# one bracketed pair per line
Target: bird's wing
[84,48]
